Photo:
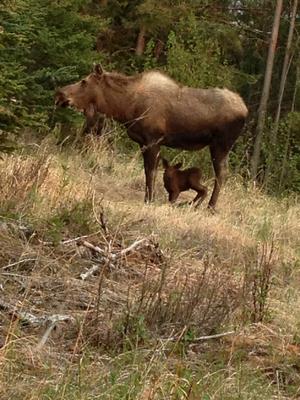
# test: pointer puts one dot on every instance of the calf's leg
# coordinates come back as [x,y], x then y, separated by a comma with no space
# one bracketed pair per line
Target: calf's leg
[201,193]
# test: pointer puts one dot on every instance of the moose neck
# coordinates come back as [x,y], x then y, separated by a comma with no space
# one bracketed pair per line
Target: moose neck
[117,99]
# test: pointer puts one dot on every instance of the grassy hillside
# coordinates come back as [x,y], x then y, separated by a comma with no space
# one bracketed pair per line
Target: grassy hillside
[134,329]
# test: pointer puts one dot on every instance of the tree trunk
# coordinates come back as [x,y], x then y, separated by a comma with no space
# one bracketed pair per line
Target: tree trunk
[159,47]
[284,73]
[265,93]
[140,43]
[287,143]
[286,62]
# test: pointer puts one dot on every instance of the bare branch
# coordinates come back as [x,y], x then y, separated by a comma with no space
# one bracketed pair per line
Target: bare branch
[29,318]
[108,257]
[132,247]
[218,335]
[45,336]
[90,246]
[200,338]
[19,262]
[78,238]
[90,272]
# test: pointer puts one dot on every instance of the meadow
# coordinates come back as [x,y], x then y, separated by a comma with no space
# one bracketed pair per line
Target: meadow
[207,306]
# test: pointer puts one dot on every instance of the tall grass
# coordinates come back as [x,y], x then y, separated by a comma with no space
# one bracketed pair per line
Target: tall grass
[136,327]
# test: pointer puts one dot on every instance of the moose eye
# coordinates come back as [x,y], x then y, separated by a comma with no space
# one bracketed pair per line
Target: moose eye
[83,82]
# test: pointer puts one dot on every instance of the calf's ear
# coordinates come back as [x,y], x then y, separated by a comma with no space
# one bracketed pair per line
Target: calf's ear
[98,70]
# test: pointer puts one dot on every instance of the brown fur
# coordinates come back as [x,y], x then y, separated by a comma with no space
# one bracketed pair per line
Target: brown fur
[177,181]
[94,125]
[158,111]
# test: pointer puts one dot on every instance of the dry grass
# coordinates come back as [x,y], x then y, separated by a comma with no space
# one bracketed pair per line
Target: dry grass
[203,274]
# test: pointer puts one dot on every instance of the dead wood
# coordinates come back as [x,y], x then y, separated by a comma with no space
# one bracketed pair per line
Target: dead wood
[200,338]
[28,318]
[19,262]
[108,257]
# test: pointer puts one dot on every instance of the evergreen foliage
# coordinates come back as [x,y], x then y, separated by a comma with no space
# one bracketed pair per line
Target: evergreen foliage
[43,44]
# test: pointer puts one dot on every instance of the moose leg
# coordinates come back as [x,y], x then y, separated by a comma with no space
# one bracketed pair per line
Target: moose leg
[151,157]
[157,159]
[219,160]
[173,196]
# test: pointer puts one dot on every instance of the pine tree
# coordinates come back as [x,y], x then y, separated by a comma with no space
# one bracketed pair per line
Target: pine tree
[43,44]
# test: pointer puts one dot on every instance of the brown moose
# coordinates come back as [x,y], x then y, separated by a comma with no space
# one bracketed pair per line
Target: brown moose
[158,111]
[177,181]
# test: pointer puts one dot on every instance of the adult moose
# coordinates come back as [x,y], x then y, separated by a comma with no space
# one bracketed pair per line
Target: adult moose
[158,111]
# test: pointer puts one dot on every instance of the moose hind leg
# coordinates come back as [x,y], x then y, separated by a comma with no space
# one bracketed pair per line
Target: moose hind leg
[150,156]
[219,160]
[157,159]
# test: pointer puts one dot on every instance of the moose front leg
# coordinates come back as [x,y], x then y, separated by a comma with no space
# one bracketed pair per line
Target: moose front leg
[219,160]
[173,196]
[151,158]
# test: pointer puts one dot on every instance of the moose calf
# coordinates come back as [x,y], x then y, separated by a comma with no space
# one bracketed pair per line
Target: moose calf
[177,181]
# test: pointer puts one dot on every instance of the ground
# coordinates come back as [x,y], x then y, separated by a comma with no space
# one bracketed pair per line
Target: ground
[134,329]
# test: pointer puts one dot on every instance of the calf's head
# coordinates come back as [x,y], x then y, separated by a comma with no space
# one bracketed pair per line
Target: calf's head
[170,169]
[84,95]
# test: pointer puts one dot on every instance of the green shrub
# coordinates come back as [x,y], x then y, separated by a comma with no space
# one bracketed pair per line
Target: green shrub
[43,44]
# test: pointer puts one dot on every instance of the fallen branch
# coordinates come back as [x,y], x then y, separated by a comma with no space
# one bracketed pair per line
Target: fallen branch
[46,335]
[132,247]
[90,246]
[90,272]
[69,241]
[218,335]
[28,318]
[200,338]
[109,257]
[104,258]
[114,256]
[19,262]
[77,239]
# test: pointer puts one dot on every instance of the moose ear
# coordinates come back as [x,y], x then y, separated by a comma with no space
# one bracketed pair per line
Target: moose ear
[98,69]
[179,165]
[165,163]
